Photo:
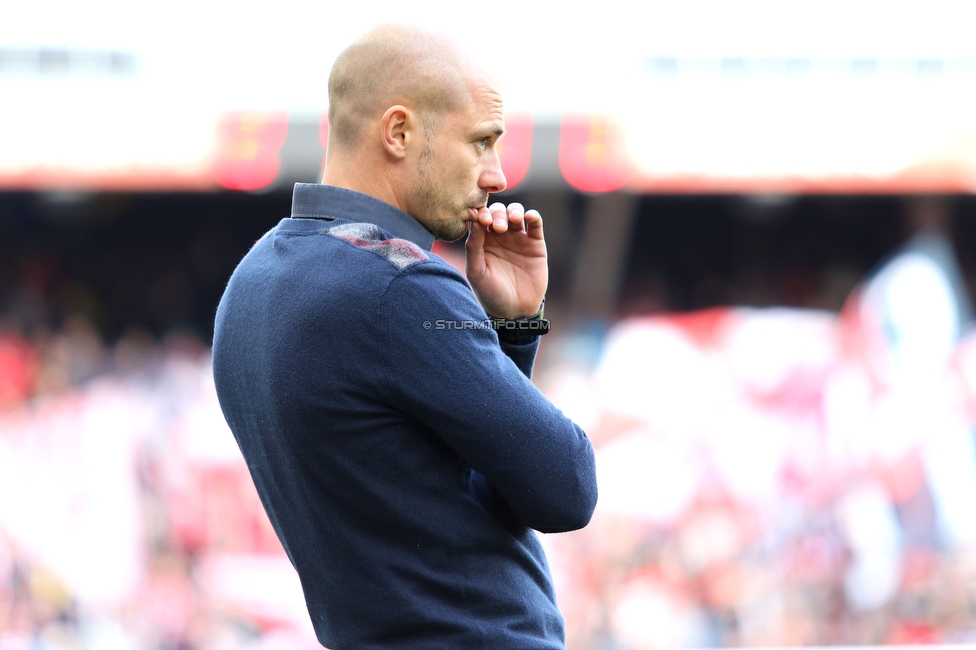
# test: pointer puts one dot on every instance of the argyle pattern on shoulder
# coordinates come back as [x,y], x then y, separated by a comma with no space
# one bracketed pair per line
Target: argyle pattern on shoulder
[399,252]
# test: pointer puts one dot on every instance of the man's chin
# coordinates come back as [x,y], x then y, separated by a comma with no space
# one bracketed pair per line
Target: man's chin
[453,235]
[451,231]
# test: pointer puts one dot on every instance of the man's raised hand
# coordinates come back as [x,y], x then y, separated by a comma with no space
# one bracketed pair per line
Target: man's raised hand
[506,262]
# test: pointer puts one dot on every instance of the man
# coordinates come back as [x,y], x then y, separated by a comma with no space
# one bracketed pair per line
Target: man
[398,445]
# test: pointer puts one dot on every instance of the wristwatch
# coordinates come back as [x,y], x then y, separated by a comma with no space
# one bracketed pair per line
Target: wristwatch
[517,330]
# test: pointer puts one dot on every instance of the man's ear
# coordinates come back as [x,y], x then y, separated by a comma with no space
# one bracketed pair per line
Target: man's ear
[398,130]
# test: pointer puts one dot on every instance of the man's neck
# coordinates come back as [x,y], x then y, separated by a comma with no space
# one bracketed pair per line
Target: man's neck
[365,179]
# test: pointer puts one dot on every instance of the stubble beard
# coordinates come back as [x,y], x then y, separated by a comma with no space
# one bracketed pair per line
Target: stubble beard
[447,223]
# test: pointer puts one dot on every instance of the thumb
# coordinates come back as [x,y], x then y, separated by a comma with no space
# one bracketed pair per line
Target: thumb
[474,249]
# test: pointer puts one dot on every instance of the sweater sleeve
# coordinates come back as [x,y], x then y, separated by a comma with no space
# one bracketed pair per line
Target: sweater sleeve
[523,354]
[446,369]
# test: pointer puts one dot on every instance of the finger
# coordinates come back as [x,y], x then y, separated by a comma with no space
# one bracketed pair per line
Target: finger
[516,214]
[484,217]
[474,249]
[533,224]
[499,218]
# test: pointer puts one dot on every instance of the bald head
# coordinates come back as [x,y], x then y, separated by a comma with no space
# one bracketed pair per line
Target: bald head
[413,121]
[394,64]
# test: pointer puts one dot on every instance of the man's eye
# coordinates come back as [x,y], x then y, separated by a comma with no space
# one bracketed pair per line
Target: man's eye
[483,142]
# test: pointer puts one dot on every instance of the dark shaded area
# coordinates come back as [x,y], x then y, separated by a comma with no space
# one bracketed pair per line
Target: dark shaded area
[694,252]
[160,262]
[153,261]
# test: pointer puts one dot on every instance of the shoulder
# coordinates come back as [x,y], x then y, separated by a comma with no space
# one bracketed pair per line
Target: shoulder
[399,252]
[410,265]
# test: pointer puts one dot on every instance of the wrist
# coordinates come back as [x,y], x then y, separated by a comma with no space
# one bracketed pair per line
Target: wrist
[515,330]
[536,315]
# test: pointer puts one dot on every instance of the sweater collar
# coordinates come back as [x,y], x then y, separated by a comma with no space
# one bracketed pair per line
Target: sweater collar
[327,201]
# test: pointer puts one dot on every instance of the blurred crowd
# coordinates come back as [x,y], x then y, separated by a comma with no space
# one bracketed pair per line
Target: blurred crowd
[780,477]
[768,477]
[127,517]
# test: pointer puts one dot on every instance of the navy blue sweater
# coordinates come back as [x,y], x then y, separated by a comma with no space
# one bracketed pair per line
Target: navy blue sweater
[403,457]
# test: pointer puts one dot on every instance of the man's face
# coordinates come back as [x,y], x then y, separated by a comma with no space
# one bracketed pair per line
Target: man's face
[458,165]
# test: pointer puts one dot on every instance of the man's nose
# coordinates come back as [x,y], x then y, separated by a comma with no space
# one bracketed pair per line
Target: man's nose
[492,179]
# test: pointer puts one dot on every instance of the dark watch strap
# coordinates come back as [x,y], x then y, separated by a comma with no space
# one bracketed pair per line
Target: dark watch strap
[515,330]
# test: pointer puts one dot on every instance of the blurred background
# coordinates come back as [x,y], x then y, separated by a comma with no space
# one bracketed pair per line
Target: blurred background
[762,230]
